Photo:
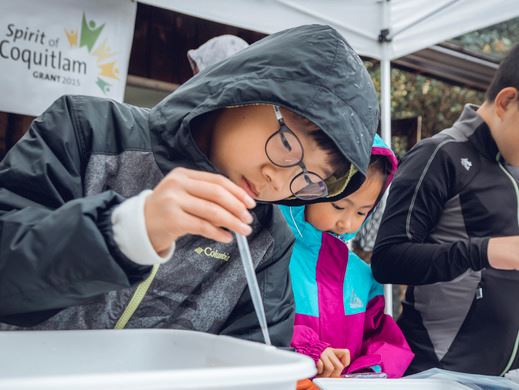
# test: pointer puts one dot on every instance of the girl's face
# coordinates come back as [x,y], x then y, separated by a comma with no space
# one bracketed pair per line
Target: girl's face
[348,214]
[236,146]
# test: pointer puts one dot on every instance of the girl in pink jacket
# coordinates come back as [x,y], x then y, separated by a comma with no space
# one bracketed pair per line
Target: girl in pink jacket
[340,320]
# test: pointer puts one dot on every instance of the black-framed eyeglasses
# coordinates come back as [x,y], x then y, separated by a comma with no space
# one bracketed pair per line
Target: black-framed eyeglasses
[284,149]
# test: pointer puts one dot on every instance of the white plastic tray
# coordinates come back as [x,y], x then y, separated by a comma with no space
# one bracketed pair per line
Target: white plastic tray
[143,359]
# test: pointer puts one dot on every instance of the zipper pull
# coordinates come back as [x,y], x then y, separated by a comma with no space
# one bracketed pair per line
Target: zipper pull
[479,292]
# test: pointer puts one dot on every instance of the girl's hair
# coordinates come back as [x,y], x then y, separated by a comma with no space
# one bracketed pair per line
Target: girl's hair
[340,164]
[380,164]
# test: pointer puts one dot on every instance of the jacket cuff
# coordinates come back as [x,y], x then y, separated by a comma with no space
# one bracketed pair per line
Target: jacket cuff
[480,258]
[130,234]
[313,350]
[136,273]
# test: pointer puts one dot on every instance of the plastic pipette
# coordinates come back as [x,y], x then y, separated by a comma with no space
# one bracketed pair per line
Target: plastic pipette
[252,282]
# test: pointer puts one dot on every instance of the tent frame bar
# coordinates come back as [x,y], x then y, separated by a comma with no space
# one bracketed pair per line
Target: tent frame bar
[306,11]
[422,18]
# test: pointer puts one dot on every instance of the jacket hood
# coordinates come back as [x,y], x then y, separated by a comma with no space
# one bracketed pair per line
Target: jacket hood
[295,216]
[310,70]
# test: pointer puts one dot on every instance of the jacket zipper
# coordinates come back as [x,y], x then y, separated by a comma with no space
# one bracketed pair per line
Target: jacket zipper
[136,299]
[514,183]
[512,356]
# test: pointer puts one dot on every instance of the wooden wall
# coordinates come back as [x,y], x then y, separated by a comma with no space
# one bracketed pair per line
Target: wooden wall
[162,39]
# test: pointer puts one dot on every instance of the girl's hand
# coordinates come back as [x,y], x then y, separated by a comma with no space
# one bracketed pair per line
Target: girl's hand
[332,362]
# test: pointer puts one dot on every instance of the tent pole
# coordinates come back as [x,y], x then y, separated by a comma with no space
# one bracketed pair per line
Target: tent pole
[385,102]
[385,94]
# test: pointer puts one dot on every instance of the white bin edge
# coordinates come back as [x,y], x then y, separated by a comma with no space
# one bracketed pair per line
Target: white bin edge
[213,377]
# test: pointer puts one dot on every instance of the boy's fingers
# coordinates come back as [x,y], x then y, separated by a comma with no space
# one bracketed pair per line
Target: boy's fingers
[203,228]
[215,215]
[221,196]
[214,178]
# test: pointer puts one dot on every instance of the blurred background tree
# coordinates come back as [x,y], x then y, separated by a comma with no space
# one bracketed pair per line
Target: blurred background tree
[440,103]
[494,41]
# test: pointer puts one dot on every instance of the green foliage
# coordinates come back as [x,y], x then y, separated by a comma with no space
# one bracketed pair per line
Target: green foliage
[493,41]
[438,103]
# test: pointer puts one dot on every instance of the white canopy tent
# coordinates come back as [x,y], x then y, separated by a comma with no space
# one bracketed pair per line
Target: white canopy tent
[380,29]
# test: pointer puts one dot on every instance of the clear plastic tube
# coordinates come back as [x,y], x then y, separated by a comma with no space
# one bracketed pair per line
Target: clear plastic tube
[252,282]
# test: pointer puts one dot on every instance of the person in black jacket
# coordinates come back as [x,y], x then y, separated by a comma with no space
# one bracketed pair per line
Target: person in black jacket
[98,194]
[451,231]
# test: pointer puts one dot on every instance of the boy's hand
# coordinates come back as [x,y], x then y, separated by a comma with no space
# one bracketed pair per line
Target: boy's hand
[503,252]
[194,202]
[332,362]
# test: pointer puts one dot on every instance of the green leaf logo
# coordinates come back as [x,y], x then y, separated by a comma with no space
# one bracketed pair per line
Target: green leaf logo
[88,36]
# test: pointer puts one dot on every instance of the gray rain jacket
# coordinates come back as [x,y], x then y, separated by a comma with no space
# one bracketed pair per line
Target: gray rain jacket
[59,265]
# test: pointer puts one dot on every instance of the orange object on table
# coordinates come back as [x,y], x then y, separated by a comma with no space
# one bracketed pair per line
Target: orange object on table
[306,384]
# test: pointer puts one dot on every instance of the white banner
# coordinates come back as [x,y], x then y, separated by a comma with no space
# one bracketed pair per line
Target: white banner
[49,48]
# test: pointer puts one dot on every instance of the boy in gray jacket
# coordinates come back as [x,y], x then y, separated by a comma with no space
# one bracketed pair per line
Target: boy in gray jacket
[98,194]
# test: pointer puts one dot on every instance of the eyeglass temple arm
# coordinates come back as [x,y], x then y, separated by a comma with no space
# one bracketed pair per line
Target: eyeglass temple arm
[281,122]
